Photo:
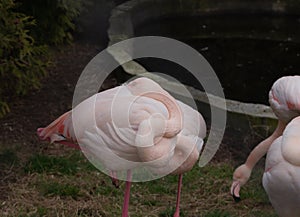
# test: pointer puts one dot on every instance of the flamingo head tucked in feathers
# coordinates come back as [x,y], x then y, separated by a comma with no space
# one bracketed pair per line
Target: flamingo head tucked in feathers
[56,137]
[44,135]
[59,131]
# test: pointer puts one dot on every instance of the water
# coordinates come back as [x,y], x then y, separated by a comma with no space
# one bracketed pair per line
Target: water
[248,52]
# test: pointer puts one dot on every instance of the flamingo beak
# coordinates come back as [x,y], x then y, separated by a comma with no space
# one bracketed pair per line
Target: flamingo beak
[235,191]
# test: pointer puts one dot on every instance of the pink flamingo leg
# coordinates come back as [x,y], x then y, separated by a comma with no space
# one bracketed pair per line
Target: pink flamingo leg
[127,195]
[177,211]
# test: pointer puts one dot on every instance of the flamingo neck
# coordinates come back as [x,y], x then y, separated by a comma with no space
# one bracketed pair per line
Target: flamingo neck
[262,148]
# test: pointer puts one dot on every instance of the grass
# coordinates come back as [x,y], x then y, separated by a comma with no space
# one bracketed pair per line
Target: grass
[58,189]
[217,213]
[169,213]
[67,185]
[8,157]
[68,165]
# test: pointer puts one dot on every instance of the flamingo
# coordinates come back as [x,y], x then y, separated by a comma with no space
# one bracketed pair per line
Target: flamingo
[135,123]
[281,179]
[284,98]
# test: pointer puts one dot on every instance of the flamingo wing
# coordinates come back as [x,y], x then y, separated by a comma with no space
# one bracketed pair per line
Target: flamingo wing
[281,179]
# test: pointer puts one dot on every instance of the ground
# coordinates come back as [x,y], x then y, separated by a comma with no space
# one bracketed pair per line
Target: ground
[37,108]
[41,179]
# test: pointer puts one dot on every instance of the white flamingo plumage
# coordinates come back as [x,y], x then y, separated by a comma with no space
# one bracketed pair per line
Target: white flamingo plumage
[284,98]
[281,179]
[133,123]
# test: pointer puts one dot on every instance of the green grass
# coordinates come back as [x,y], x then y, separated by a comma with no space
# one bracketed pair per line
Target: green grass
[68,165]
[156,187]
[107,190]
[59,189]
[50,164]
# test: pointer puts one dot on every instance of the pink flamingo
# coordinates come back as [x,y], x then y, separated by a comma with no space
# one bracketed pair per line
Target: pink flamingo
[284,98]
[132,124]
[281,179]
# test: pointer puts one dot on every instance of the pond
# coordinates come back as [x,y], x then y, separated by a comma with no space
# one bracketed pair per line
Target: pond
[247,51]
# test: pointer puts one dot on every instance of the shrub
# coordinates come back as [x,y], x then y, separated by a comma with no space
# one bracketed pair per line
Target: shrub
[55,18]
[21,63]
[25,26]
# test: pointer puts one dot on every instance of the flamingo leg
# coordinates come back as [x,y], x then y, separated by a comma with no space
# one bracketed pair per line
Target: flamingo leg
[114,179]
[127,195]
[177,210]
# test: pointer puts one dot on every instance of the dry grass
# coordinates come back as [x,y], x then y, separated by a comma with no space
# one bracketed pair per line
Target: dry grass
[55,191]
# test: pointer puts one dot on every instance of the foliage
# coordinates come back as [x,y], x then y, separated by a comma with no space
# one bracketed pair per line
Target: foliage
[21,65]
[55,18]
[25,27]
